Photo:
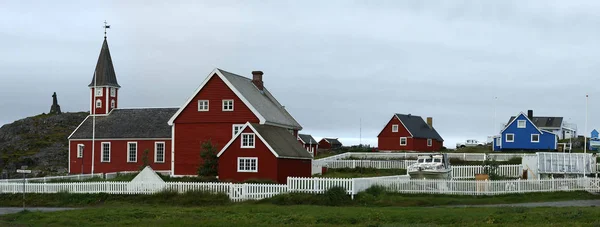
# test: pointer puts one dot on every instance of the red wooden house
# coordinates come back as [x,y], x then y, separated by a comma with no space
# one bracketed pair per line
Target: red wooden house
[217,110]
[263,152]
[121,137]
[329,143]
[309,143]
[409,133]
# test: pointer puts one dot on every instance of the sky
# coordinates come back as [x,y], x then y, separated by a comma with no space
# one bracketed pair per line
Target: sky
[341,68]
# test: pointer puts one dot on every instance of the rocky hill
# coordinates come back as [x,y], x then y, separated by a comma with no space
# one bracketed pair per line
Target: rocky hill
[40,142]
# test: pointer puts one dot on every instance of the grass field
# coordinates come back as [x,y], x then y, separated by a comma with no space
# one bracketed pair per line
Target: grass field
[272,215]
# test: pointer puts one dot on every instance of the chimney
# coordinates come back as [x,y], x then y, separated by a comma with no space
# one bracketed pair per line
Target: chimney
[430,122]
[530,114]
[257,79]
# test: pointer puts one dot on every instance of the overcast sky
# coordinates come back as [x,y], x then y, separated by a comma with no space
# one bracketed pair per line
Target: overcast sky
[331,63]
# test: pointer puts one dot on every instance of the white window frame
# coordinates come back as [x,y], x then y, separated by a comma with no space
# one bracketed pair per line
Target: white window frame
[113,92]
[519,124]
[202,107]
[98,103]
[129,152]
[405,141]
[80,148]
[226,101]
[538,138]
[506,137]
[164,151]
[247,161]
[233,132]
[112,103]
[394,128]
[429,142]
[251,135]
[102,149]
[98,91]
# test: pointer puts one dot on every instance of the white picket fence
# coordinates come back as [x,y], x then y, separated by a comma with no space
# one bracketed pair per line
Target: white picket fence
[377,164]
[468,172]
[46,179]
[414,155]
[353,186]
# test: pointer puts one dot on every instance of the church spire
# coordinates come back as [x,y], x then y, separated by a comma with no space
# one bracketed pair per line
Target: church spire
[104,69]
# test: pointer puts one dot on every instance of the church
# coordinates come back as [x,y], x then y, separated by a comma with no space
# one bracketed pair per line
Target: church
[255,136]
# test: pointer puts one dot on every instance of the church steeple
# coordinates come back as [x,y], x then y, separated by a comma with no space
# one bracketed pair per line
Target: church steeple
[104,86]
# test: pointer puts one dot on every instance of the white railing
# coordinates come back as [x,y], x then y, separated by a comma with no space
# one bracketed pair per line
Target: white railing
[51,178]
[383,164]
[414,155]
[468,172]
[352,186]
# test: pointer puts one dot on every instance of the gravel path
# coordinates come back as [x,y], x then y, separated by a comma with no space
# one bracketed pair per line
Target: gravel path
[10,210]
[570,203]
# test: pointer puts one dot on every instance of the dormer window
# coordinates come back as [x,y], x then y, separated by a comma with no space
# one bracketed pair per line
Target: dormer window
[227,104]
[394,128]
[521,124]
[113,92]
[98,92]
[98,103]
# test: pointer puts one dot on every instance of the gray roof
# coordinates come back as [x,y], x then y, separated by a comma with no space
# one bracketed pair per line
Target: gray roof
[308,139]
[544,122]
[333,141]
[282,141]
[128,123]
[263,102]
[104,69]
[418,127]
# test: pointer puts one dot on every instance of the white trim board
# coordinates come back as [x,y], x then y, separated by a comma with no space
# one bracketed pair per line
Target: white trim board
[217,72]
[100,139]
[508,125]
[248,125]
[69,138]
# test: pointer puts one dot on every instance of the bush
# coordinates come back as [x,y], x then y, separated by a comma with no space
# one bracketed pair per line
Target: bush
[336,196]
[376,190]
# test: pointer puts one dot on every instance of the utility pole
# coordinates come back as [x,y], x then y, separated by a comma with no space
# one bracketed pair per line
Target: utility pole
[586,121]
[360,132]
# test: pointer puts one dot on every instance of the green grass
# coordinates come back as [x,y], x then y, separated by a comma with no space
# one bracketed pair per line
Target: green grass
[362,172]
[272,215]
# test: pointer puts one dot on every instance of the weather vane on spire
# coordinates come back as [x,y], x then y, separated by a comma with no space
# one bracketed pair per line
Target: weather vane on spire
[105,27]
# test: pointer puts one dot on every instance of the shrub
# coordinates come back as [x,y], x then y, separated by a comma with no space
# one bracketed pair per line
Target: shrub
[376,190]
[336,196]
[209,160]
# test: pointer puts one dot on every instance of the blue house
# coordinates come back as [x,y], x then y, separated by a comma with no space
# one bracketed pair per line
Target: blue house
[594,142]
[522,134]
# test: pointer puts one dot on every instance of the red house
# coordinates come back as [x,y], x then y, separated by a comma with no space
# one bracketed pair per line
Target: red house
[170,138]
[409,133]
[309,143]
[329,143]
[263,152]
[217,110]
[122,138]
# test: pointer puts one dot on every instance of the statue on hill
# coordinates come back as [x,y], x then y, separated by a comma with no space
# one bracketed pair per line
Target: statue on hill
[55,109]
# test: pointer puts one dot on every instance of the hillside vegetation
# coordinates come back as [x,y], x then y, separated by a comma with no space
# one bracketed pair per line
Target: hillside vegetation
[40,142]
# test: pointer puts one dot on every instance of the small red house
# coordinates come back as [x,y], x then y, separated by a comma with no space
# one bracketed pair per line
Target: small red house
[329,143]
[309,143]
[409,133]
[263,152]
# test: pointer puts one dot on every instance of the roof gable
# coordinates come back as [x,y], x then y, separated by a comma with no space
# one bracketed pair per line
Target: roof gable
[307,139]
[417,127]
[544,122]
[104,74]
[262,103]
[332,141]
[519,117]
[280,142]
[127,123]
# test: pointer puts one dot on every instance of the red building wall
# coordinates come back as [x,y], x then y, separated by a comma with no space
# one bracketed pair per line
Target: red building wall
[293,168]
[324,144]
[192,127]
[267,162]
[390,141]
[118,156]
[106,99]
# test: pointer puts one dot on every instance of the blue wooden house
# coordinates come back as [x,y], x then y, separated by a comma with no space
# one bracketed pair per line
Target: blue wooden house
[522,134]
[594,142]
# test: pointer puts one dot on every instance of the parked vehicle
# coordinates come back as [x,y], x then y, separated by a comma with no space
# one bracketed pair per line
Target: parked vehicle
[435,166]
[469,143]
